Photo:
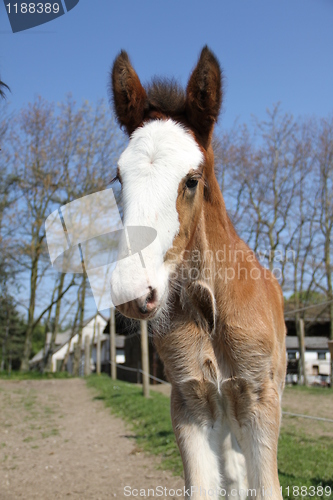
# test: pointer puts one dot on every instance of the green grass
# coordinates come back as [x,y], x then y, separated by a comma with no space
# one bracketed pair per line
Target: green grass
[33,375]
[28,439]
[306,459]
[50,432]
[303,460]
[317,391]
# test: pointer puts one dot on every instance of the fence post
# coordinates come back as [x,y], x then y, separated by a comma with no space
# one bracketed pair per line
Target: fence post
[98,350]
[86,355]
[75,369]
[302,350]
[113,344]
[145,358]
[330,346]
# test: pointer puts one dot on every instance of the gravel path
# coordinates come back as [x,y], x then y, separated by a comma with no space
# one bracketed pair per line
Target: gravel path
[57,442]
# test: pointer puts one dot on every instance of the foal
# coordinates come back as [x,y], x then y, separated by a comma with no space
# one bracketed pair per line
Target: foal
[218,314]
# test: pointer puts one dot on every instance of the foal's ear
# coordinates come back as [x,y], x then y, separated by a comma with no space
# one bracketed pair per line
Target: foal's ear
[129,97]
[204,95]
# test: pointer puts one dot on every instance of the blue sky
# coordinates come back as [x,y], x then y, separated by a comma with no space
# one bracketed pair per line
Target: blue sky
[270,51]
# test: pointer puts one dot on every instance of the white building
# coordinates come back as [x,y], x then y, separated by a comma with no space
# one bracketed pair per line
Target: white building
[90,330]
[317,359]
[65,345]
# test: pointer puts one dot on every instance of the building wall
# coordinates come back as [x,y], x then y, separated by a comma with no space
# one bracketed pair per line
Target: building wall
[317,370]
[89,330]
[312,361]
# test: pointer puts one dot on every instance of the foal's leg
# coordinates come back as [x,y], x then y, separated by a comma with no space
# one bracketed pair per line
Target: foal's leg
[233,464]
[198,437]
[254,413]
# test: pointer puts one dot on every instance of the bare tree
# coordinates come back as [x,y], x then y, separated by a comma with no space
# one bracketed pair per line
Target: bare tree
[8,311]
[260,182]
[3,86]
[93,134]
[278,181]
[38,173]
[60,154]
[300,239]
[324,200]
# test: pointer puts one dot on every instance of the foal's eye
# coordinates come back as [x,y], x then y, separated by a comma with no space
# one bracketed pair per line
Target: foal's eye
[191,183]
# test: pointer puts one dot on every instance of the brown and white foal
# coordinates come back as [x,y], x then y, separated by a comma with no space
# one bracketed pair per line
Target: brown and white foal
[218,314]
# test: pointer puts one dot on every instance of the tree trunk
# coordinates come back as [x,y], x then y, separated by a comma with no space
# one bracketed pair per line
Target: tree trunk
[47,327]
[31,312]
[77,352]
[48,360]
[329,282]
[64,361]
[4,343]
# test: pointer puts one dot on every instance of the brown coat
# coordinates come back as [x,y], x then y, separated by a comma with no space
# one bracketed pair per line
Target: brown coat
[220,329]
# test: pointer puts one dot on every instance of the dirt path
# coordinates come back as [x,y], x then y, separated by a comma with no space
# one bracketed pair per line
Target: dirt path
[56,442]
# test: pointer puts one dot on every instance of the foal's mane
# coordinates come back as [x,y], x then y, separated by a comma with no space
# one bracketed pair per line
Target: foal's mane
[166,96]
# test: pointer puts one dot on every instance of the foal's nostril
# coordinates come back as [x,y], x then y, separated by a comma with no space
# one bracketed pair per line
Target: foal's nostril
[151,296]
[147,304]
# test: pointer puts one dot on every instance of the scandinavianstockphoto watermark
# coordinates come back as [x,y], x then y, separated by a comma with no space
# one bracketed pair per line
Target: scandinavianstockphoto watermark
[87,235]
[226,274]
[228,254]
[228,264]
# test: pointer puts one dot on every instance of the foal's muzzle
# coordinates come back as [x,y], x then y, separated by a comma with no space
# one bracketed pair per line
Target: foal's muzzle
[145,307]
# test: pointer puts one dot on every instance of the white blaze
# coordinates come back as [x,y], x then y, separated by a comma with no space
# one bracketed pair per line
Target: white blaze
[159,155]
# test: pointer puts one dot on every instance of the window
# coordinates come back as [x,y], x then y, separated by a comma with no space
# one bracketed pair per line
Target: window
[321,355]
[291,355]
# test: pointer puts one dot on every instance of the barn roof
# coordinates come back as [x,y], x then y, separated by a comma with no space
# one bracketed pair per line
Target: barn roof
[311,343]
